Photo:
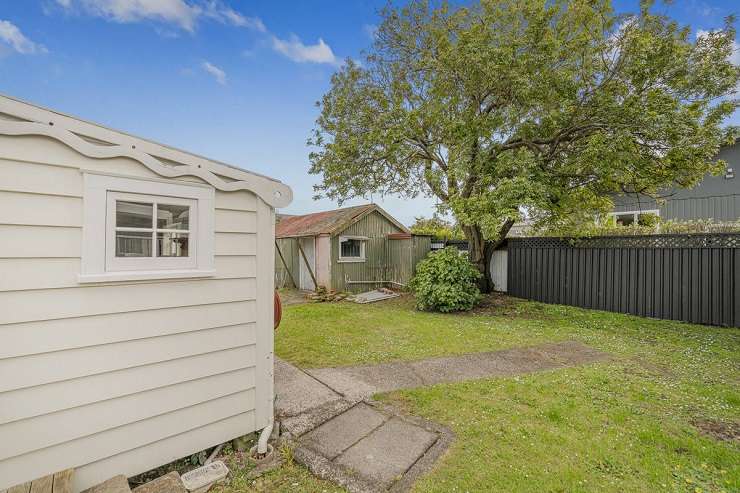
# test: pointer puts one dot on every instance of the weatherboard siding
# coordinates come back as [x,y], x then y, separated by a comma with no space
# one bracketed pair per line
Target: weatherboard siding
[715,197]
[289,249]
[718,208]
[116,378]
[376,266]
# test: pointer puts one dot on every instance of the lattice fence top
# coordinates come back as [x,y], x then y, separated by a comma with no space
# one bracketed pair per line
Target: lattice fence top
[691,240]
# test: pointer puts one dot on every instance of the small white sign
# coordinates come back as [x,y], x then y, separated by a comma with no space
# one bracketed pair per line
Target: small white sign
[203,476]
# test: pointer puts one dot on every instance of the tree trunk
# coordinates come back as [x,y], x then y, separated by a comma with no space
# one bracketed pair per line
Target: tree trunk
[481,251]
[477,252]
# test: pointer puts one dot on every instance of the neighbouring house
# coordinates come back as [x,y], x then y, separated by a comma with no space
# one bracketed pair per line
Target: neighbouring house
[136,299]
[350,249]
[716,197]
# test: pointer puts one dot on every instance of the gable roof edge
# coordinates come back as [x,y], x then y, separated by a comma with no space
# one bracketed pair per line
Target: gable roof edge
[36,120]
[370,210]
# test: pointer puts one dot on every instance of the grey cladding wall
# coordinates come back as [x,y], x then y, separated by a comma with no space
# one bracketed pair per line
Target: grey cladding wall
[716,197]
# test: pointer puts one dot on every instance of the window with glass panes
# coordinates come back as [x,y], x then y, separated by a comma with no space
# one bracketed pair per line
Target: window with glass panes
[148,227]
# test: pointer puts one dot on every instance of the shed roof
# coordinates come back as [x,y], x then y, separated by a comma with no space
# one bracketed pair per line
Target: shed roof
[328,222]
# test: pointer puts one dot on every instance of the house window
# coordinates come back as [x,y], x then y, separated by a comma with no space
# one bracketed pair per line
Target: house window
[145,229]
[352,249]
[151,232]
[634,217]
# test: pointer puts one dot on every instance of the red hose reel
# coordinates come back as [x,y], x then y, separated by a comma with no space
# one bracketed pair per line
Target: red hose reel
[278,310]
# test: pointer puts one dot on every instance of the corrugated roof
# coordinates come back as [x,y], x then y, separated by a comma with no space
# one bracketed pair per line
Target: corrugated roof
[319,223]
[279,217]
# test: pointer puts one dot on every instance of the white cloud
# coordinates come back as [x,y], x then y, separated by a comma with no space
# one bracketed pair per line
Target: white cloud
[734,58]
[182,13]
[215,71]
[186,14]
[225,14]
[176,12]
[12,36]
[294,49]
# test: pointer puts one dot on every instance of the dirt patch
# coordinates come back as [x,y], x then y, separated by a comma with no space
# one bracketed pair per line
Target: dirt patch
[496,301]
[719,430]
[501,305]
[293,296]
[649,367]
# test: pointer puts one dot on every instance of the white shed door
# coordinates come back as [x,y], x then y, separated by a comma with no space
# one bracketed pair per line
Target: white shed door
[305,280]
[499,270]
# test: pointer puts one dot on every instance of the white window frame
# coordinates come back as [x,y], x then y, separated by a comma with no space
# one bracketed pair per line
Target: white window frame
[117,264]
[635,214]
[99,263]
[361,258]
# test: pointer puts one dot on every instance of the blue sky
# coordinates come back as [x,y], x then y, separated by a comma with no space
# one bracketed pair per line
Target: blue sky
[234,80]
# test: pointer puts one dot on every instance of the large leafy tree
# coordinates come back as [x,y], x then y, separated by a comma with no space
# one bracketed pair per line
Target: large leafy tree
[436,226]
[505,106]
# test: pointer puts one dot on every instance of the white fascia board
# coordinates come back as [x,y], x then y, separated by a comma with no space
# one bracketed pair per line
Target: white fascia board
[66,129]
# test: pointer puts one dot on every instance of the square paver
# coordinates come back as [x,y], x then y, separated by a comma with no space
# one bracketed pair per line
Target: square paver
[386,453]
[341,432]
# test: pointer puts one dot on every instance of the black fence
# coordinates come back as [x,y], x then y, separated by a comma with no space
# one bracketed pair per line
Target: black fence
[689,277]
[438,244]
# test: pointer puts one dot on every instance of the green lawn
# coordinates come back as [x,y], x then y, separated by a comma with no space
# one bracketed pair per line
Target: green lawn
[630,424]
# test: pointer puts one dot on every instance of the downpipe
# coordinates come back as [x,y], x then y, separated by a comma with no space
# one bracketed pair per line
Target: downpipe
[264,437]
[267,430]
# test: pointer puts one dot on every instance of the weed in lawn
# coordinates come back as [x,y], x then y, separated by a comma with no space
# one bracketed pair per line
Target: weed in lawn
[289,477]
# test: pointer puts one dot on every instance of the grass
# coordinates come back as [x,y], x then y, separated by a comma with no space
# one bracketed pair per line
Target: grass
[630,424]
[289,477]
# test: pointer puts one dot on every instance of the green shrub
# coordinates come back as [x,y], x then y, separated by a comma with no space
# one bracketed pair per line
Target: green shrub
[445,281]
[648,219]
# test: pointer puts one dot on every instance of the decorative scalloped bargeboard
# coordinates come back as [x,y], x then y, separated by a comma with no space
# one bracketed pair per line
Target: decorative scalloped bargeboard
[39,121]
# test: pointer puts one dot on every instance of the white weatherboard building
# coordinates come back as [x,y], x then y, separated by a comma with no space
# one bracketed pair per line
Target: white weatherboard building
[136,299]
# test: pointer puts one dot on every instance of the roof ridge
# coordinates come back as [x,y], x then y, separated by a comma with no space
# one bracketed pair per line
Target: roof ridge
[321,222]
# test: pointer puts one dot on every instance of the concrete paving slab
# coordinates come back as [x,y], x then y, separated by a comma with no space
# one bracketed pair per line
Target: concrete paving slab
[341,432]
[298,392]
[353,474]
[300,424]
[389,451]
[360,382]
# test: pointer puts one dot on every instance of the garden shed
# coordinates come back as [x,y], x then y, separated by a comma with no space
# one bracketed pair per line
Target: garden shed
[136,286]
[350,249]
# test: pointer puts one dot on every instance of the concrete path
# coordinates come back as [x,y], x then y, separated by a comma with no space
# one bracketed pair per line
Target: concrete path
[359,382]
[366,446]
[297,391]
